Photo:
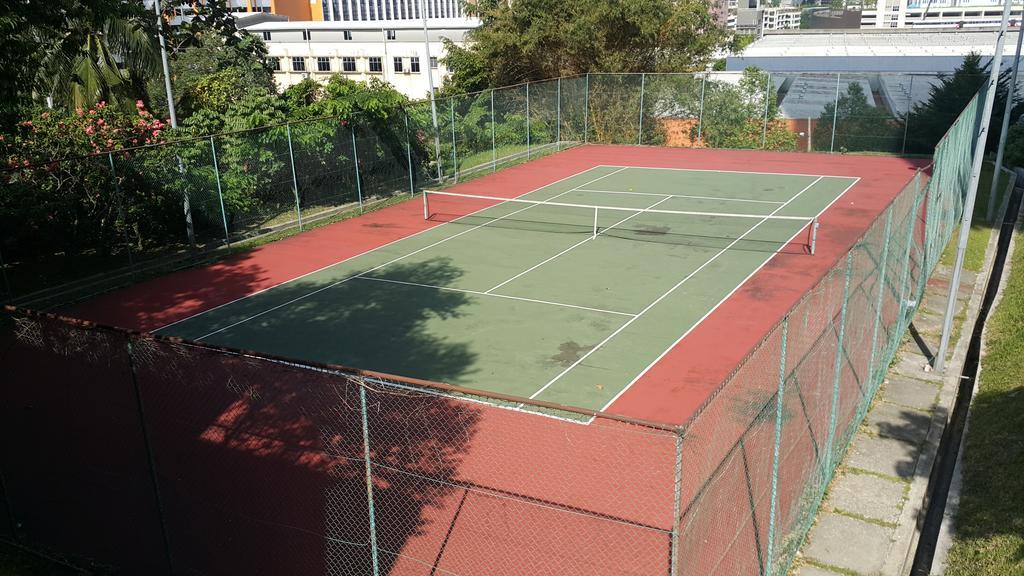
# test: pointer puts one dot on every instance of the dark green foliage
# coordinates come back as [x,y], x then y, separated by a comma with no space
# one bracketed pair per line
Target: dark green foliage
[859,126]
[739,116]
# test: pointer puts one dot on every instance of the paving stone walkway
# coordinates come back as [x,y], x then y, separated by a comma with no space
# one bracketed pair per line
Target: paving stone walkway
[866,525]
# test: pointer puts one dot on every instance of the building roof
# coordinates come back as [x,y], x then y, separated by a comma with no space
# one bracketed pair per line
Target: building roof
[884,43]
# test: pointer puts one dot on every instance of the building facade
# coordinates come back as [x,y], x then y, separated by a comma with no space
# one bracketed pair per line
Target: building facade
[952,14]
[392,51]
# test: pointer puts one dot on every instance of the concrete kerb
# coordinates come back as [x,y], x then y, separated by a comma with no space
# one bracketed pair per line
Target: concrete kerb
[953,501]
[904,541]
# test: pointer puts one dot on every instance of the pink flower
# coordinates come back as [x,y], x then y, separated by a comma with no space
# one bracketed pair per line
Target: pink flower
[45,115]
[26,123]
[147,141]
[156,133]
[135,140]
[101,105]
[100,122]
[79,111]
[92,112]
[89,130]
[24,162]
[139,104]
[110,142]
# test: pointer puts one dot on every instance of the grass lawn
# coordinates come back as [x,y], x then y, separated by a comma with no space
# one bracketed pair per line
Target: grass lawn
[980,229]
[990,523]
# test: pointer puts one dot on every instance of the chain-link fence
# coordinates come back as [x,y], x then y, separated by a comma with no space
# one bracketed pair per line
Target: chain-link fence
[154,455]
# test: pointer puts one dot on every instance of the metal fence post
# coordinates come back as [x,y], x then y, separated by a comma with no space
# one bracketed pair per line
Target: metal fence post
[640,131]
[369,480]
[455,157]
[494,146]
[586,111]
[906,119]
[779,397]
[911,225]
[120,208]
[558,114]
[880,299]
[837,375]
[295,180]
[355,161]
[220,193]
[677,505]
[700,114]
[527,120]
[835,116]
[408,155]
[764,127]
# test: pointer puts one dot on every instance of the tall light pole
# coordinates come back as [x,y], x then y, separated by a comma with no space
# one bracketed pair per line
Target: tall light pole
[430,83]
[1010,94]
[163,59]
[972,189]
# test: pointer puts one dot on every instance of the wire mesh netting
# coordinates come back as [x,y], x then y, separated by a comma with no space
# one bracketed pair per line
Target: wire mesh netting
[210,460]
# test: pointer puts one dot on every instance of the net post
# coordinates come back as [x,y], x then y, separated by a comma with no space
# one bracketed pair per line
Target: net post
[295,180]
[595,222]
[835,115]
[677,505]
[408,155]
[527,120]
[814,235]
[838,370]
[220,194]
[369,479]
[640,131]
[494,147]
[700,114]
[355,161]
[764,126]
[455,157]
[779,397]
[426,207]
[586,111]
[558,114]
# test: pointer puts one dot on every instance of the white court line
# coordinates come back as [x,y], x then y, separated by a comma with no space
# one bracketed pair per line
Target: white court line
[588,239]
[342,261]
[727,171]
[392,261]
[667,293]
[715,307]
[681,196]
[479,293]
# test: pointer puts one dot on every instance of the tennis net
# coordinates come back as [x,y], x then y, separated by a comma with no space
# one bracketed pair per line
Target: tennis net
[713,230]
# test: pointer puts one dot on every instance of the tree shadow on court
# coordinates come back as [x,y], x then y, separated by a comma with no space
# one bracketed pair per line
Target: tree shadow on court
[259,465]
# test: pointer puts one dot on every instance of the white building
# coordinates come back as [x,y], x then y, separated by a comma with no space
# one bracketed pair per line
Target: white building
[390,10]
[392,50]
[953,14]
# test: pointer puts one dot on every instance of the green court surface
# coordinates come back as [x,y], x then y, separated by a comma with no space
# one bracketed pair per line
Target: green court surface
[524,298]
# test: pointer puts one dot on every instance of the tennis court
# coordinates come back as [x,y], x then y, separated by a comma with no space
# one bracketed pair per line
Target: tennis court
[568,293]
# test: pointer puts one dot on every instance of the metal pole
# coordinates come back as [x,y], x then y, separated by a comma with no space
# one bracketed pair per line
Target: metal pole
[700,114]
[586,111]
[369,482]
[494,147]
[837,375]
[835,116]
[426,208]
[295,180]
[220,194]
[527,120]
[455,158]
[677,506]
[640,131]
[558,115]
[779,397]
[972,190]
[764,127]
[355,160]
[430,84]
[408,156]
[1011,94]
[163,60]
[906,121]
[881,295]
[815,224]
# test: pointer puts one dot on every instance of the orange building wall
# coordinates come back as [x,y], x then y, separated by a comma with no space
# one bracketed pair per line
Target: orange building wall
[298,10]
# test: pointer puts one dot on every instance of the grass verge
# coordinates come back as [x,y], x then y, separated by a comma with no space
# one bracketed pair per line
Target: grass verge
[989,537]
[977,240]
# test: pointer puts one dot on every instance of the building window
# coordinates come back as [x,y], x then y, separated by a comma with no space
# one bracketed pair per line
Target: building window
[398,64]
[346,34]
[414,64]
[391,34]
[298,64]
[323,64]
[433,62]
[375,64]
[348,64]
[275,63]
[305,34]
[266,35]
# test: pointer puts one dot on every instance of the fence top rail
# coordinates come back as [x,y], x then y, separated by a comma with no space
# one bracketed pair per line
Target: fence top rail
[446,389]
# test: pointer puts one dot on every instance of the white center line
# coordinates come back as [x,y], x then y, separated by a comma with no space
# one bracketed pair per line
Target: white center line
[506,296]
[392,261]
[667,293]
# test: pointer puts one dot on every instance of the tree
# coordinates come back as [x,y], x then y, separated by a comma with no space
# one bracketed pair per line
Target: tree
[859,126]
[739,116]
[538,39]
